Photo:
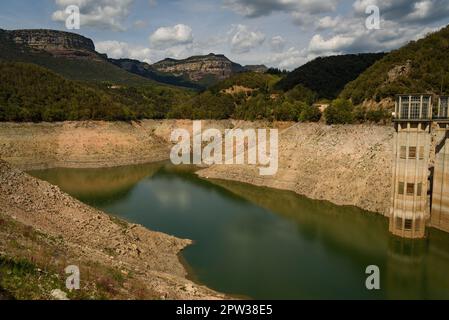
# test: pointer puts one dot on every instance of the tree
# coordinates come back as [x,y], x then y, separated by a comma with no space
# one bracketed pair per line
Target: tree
[310,114]
[340,112]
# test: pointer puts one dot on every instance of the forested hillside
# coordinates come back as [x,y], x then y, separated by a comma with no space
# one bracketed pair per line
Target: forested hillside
[32,93]
[420,66]
[328,76]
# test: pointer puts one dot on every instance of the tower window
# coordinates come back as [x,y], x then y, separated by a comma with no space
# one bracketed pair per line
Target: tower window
[401,188]
[410,189]
[408,225]
[412,152]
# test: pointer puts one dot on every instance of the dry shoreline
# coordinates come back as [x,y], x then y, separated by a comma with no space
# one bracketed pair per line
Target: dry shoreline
[346,165]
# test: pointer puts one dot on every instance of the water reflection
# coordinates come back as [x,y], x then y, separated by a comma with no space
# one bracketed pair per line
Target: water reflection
[266,243]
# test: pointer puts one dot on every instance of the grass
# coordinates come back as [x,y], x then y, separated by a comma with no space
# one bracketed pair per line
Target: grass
[32,265]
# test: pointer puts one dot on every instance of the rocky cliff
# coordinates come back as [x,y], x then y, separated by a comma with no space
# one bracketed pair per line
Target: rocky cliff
[145,70]
[51,40]
[205,69]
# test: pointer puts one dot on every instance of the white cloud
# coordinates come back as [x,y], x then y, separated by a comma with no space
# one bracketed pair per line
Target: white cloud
[349,35]
[257,8]
[140,24]
[118,50]
[302,11]
[167,37]
[290,59]
[328,22]
[96,13]
[277,44]
[244,40]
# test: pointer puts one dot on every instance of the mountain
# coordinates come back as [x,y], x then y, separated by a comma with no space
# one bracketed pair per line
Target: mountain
[258,68]
[68,54]
[145,70]
[205,70]
[419,67]
[327,76]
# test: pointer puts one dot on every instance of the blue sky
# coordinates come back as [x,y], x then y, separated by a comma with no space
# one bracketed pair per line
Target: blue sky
[279,33]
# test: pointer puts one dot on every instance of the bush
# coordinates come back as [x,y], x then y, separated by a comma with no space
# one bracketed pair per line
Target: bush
[310,114]
[341,111]
[285,112]
[379,115]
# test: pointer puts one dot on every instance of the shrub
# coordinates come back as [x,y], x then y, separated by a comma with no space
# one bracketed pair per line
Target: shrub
[341,111]
[310,114]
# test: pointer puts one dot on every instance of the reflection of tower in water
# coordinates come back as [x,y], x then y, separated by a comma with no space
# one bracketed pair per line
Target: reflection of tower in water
[406,272]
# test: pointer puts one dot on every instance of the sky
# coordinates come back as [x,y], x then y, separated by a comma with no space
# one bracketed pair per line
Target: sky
[278,33]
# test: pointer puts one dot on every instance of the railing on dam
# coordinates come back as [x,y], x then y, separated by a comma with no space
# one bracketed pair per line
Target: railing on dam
[419,107]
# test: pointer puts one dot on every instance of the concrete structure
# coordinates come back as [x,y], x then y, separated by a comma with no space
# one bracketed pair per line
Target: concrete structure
[420,194]
[440,192]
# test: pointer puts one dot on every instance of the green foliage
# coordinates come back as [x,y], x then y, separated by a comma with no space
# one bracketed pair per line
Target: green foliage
[301,93]
[277,71]
[328,76]
[341,111]
[286,111]
[362,114]
[31,93]
[205,106]
[310,114]
[251,80]
[258,107]
[428,67]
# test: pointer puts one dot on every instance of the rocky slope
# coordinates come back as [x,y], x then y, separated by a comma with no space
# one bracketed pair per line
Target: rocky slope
[117,260]
[347,165]
[418,67]
[145,70]
[204,69]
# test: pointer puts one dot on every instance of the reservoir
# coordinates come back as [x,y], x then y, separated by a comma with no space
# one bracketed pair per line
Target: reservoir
[263,243]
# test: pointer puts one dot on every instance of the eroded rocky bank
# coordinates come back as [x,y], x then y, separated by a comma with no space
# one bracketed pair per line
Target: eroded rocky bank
[46,228]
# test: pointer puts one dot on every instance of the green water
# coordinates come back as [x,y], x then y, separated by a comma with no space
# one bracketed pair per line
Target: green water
[263,243]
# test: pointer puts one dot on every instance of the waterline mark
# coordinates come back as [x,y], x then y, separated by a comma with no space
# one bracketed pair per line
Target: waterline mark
[231,147]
